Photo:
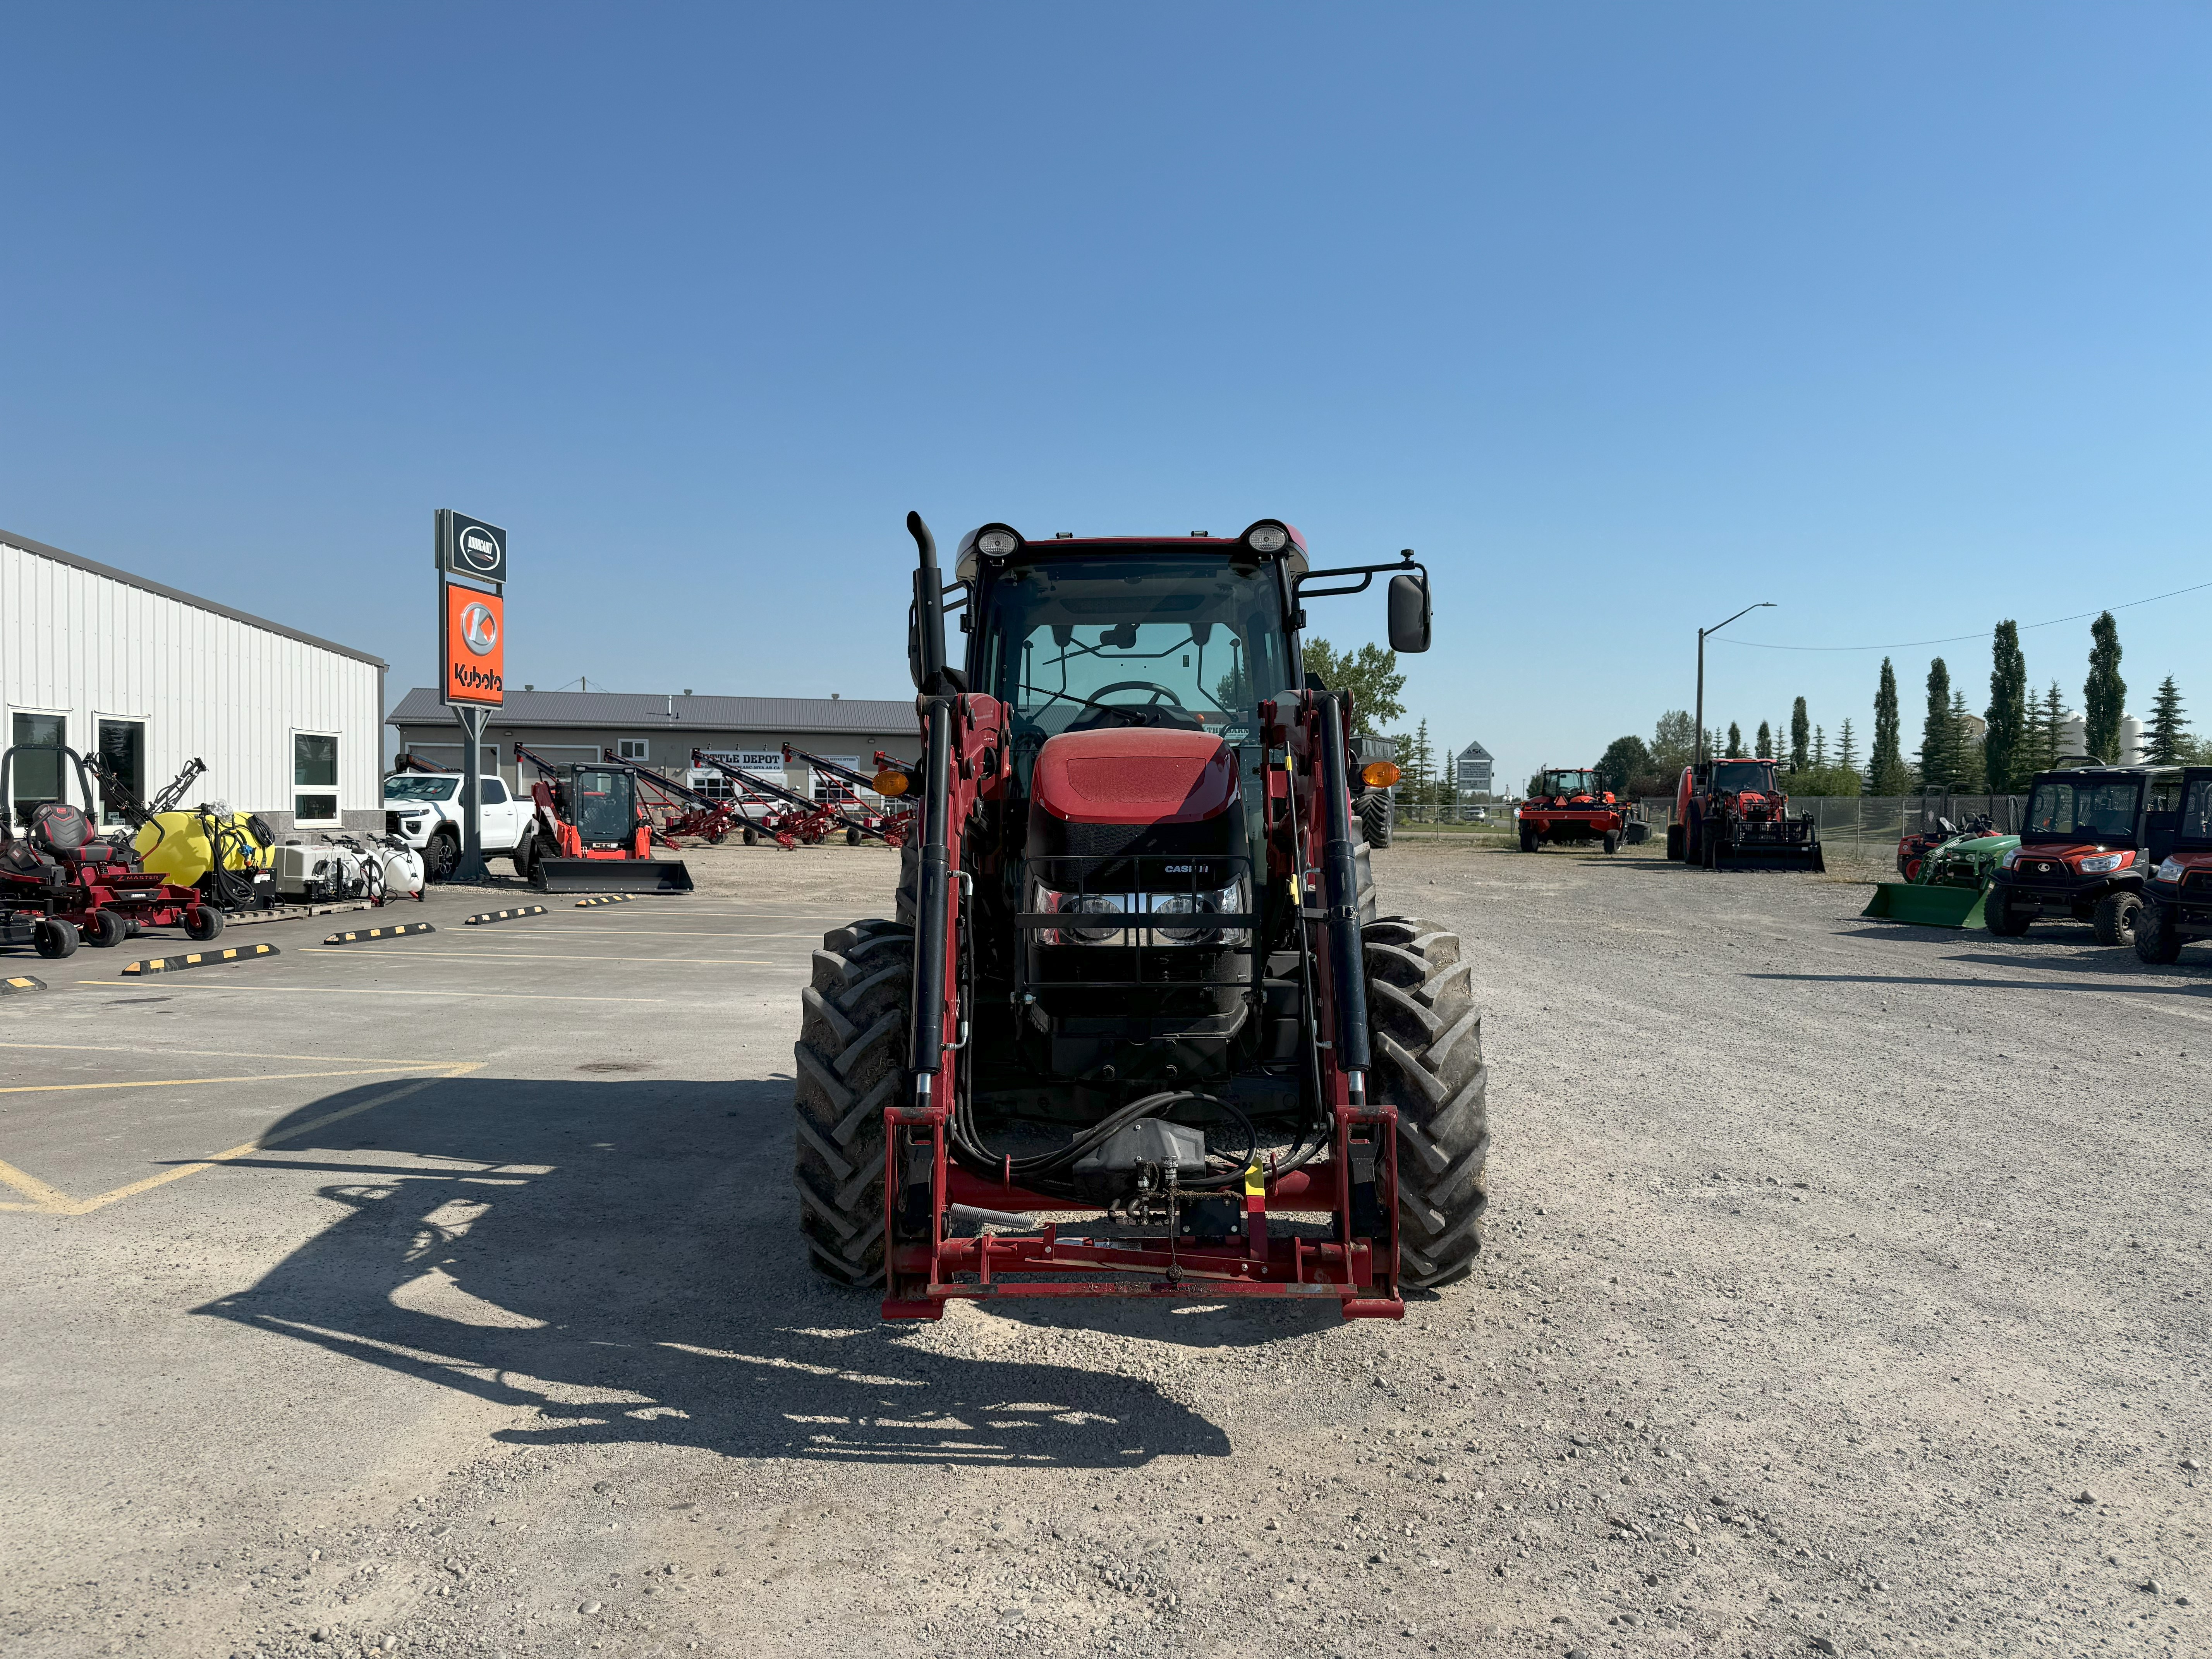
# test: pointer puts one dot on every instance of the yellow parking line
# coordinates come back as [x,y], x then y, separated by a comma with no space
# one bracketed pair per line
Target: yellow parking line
[51,1200]
[540,955]
[214,1054]
[371,991]
[180,1082]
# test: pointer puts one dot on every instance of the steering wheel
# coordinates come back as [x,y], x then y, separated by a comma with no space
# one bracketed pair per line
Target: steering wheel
[1152,712]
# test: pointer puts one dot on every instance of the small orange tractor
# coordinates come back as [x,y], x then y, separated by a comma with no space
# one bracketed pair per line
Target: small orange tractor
[1730,813]
[1571,805]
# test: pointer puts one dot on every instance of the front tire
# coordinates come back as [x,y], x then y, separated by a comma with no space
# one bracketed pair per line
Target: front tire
[851,1057]
[2156,943]
[441,856]
[53,939]
[1674,842]
[1428,1065]
[105,930]
[1611,842]
[1527,841]
[524,855]
[1378,817]
[2116,916]
[203,922]
[1999,916]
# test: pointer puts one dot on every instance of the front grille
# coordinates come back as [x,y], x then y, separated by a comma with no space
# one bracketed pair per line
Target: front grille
[1104,841]
[2197,881]
[2042,870]
[392,823]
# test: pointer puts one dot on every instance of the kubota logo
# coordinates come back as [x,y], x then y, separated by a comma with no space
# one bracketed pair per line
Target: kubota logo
[477,547]
[479,628]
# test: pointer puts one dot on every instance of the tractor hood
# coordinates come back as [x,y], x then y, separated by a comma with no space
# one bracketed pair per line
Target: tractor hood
[2065,856]
[1135,775]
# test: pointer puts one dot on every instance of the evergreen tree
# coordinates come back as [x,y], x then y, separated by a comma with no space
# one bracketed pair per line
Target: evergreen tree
[2049,720]
[1735,739]
[1967,776]
[2104,693]
[2004,751]
[1766,751]
[1886,770]
[1801,731]
[1938,760]
[2167,738]
[1423,768]
[1846,749]
[1820,748]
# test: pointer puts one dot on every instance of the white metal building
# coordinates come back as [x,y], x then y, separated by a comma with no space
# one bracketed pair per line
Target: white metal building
[145,678]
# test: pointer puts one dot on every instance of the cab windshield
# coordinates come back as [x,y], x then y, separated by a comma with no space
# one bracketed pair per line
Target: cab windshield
[2103,811]
[416,787]
[1570,783]
[1192,642]
[604,805]
[1734,777]
[2196,813]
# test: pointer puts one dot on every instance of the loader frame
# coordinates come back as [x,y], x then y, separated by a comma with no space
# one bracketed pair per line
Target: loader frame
[967,761]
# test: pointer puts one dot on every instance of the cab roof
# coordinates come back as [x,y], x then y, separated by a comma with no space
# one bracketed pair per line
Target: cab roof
[969,563]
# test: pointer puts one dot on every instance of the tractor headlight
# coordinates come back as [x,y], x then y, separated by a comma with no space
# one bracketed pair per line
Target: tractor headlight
[997,542]
[1267,537]
[1142,918]
[1226,901]
[2104,861]
[2009,859]
[1099,906]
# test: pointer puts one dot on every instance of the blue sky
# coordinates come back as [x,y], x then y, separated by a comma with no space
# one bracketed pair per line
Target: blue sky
[1623,316]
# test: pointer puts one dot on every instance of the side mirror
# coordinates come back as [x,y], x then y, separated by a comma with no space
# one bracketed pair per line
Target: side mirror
[1409,612]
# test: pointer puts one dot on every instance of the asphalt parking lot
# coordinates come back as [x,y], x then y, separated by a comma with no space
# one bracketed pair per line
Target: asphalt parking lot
[440,1295]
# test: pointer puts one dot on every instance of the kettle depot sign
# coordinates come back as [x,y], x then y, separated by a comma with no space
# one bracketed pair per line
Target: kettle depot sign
[471,611]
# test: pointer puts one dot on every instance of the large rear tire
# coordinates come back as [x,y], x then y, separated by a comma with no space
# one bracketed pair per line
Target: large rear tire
[2156,942]
[852,1064]
[1428,1065]
[2116,917]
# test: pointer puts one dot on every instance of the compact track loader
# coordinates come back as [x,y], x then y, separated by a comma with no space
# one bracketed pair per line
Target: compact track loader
[1137,967]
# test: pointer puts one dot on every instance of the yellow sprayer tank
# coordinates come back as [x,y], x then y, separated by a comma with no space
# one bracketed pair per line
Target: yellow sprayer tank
[175,846]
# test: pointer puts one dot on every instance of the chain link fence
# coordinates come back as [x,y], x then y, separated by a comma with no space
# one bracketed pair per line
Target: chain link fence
[1869,827]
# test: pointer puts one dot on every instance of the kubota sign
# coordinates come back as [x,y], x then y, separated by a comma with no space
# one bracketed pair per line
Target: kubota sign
[473,647]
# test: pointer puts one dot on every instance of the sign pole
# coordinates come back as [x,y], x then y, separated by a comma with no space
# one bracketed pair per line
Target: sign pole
[471,866]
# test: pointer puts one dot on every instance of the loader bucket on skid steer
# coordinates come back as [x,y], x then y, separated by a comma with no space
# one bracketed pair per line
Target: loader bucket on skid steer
[611,876]
[1928,906]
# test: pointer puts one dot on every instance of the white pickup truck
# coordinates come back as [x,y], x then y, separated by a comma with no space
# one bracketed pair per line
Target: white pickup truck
[424,809]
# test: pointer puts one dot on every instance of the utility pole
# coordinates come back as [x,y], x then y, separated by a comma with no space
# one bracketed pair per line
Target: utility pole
[1764,604]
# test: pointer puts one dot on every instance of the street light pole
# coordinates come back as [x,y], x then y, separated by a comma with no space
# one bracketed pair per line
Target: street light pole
[1764,604]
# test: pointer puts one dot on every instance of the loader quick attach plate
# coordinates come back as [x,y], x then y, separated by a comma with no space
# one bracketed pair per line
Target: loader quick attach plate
[924,1277]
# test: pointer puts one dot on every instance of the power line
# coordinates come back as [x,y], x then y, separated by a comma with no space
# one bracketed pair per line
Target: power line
[1953,639]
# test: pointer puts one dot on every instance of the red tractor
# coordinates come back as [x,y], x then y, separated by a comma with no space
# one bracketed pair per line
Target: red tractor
[1137,967]
[1730,813]
[1571,806]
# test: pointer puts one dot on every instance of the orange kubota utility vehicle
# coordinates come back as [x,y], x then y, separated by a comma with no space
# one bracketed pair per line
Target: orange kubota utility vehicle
[1571,805]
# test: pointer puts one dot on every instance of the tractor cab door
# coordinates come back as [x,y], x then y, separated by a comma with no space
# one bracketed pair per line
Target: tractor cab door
[604,802]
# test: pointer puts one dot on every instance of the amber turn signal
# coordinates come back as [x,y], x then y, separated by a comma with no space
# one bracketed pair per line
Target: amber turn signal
[1378,774]
[889,782]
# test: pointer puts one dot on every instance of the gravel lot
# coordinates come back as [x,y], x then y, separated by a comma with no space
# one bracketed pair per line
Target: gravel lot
[1846,1293]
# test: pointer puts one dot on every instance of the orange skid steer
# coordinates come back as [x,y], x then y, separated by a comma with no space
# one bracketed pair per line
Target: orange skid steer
[590,813]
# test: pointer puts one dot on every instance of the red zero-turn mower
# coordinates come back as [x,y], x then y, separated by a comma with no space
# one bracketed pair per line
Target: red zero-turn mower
[61,880]
[1137,967]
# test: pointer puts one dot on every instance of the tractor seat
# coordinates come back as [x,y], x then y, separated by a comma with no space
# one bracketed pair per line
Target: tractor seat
[60,829]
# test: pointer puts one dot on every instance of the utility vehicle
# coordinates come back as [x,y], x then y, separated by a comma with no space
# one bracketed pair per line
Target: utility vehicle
[2092,835]
[2178,898]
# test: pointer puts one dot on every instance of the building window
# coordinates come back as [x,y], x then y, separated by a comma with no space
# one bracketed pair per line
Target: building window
[37,778]
[123,752]
[314,778]
[633,748]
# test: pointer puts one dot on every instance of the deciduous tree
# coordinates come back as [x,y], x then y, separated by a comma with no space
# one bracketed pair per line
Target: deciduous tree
[1938,758]
[1369,672]
[1886,773]
[2004,750]
[1801,736]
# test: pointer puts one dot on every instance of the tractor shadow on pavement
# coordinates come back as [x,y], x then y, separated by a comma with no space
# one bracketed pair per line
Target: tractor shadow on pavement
[618,1261]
